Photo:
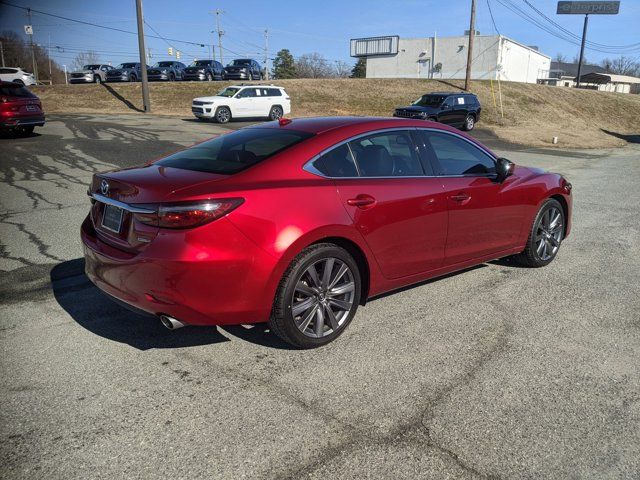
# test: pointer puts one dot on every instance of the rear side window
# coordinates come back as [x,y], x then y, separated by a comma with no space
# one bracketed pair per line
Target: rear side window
[236,151]
[337,163]
[16,91]
[456,156]
[389,154]
[274,92]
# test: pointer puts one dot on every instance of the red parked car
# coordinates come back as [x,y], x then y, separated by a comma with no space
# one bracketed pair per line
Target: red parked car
[298,222]
[20,110]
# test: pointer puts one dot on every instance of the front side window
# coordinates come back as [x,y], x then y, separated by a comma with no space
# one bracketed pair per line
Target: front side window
[388,154]
[456,156]
[429,101]
[236,151]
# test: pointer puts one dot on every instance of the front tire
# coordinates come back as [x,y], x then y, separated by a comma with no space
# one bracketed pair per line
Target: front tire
[545,236]
[222,115]
[469,123]
[209,77]
[317,298]
[97,79]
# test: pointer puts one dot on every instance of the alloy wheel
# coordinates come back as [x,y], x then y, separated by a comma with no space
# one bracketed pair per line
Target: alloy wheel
[323,297]
[549,233]
[223,115]
[470,123]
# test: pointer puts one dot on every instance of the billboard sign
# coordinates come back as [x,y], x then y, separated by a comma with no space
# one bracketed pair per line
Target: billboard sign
[588,8]
[363,47]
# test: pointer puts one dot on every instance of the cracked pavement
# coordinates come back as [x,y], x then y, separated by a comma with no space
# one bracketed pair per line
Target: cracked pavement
[495,372]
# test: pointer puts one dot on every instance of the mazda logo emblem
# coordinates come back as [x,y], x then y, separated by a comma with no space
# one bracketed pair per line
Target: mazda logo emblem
[104,187]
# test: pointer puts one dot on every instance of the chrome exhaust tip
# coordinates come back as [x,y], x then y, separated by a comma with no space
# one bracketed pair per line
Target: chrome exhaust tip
[170,322]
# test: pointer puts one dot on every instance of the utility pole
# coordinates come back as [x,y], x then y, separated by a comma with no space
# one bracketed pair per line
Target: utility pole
[220,33]
[143,60]
[584,36]
[266,53]
[33,52]
[2,53]
[49,55]
[472,31]
[66,80]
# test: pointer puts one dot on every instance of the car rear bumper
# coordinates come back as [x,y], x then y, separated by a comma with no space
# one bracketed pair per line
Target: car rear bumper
[211,275]
[36,121]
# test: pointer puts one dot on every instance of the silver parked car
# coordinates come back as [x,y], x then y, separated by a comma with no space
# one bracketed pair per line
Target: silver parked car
[95,73]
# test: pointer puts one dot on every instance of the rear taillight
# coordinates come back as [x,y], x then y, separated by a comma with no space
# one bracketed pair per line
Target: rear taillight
[189,215]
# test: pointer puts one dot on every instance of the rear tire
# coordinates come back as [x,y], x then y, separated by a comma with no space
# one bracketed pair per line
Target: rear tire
[309,313]
[545,236]
[222,115]
[275,113]
[24,131]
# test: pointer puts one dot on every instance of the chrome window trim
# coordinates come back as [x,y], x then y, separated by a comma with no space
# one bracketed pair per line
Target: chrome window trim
[311,168]
[122,205]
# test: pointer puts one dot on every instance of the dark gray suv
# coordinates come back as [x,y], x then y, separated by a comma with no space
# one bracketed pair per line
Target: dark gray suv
[204,70]
[125,72]
[169,71]
[243,69]
[459,109]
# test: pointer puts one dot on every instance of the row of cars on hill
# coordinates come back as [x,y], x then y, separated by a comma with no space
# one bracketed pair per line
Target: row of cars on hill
[170,70]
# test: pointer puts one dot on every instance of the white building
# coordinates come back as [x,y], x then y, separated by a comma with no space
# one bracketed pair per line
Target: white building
[494,57]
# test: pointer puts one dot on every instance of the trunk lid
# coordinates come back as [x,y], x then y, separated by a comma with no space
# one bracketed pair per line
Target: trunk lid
[117,193]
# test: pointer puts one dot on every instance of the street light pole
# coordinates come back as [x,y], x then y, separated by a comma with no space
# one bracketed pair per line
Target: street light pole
[143,60]
[33,52]
[266,53]
[584,36]
[220,33]
[472,31]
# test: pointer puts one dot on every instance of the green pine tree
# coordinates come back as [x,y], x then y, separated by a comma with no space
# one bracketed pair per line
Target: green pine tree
[360,68]
[284,65]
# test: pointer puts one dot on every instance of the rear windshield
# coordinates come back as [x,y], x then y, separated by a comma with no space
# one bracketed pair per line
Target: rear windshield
[234,152]
[429,101]
[16,91]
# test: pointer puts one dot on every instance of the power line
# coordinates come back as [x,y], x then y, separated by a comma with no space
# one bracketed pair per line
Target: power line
[495,27]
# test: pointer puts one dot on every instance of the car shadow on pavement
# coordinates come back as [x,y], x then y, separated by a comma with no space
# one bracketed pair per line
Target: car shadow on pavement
[627,138]
[127,103]
[94,311]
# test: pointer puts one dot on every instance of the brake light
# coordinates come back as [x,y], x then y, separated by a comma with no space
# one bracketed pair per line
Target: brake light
[189,215]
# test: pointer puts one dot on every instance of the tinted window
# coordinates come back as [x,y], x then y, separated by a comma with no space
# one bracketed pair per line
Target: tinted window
[457,156]
[128,65]
[274,92]
[201,63]
[248,93]
[389,154]
[234,152]
[91,67]
[429,101]
[337,163]
[241,62]
[17,91]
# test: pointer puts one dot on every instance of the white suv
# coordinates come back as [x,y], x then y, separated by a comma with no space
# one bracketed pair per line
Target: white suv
[242,101]
[16,75]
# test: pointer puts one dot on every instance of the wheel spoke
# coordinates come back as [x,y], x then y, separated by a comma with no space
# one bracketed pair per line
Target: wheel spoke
[553,242]
[303,288]
[319,326]
[301,307]
[540,248]
[341,271]
[342,289]
[333,321]
[326,274]
[557,228]
[341,304]
[305,323]
[313,275]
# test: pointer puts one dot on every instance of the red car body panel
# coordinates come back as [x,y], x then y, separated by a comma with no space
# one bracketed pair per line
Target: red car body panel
[227,271]
[19,110]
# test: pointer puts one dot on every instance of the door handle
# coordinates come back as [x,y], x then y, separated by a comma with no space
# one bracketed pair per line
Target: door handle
[362,201]
[460,197]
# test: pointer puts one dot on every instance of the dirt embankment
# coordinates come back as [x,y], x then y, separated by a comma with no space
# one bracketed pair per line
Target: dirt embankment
[530,115]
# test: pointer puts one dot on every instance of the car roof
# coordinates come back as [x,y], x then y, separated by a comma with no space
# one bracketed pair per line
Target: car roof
[450,93]
[260,85]
[318,125]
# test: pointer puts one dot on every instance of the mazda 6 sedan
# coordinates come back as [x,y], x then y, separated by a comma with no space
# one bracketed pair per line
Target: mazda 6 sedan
[298,222]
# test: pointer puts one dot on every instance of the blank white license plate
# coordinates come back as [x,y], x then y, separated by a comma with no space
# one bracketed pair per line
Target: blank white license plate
[31,108]
[112,218]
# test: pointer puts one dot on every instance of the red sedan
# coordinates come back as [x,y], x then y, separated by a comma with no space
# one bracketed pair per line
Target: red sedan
[298,222]
[20,110]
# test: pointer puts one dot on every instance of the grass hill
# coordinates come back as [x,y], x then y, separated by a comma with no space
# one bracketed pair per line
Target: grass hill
[532,114]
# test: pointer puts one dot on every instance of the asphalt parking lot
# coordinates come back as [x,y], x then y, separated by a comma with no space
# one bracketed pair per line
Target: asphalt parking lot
[496,372]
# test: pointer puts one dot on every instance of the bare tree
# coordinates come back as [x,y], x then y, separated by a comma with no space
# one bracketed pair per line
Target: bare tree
[622,66]
[561,58]
[342,69]
[85,58]
[313,65]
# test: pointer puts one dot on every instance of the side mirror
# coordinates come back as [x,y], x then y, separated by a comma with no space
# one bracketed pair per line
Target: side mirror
[504,169]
